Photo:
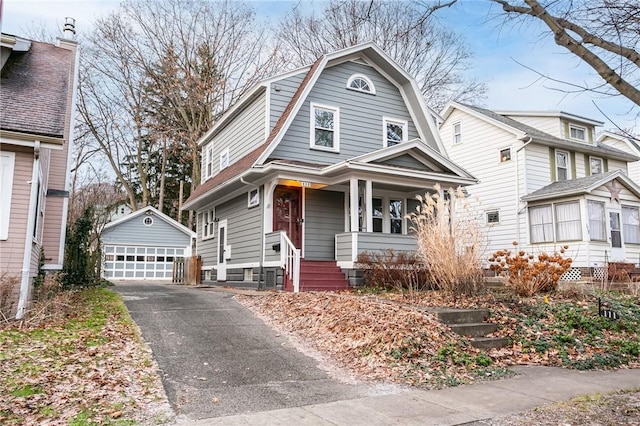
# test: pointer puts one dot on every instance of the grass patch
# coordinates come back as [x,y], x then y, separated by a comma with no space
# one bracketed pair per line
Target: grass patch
[85,365]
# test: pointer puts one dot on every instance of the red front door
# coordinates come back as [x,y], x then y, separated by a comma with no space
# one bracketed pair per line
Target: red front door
[287,213]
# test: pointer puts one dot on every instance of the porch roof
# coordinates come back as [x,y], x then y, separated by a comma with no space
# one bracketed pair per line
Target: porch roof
[585,185]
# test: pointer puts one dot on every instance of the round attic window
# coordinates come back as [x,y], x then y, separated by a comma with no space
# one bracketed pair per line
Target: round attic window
[148,221]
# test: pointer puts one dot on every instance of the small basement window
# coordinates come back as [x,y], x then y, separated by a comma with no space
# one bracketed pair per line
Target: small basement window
[493,217]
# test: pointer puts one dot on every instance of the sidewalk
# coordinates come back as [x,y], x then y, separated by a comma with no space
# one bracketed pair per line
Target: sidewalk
[533,387]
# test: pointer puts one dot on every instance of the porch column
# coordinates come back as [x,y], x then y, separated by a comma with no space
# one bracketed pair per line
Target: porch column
[368,196]
[353,204]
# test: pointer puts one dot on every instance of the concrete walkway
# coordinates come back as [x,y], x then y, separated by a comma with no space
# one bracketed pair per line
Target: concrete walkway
[469,405]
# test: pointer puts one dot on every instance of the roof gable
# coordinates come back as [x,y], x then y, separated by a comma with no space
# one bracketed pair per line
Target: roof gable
[149,210]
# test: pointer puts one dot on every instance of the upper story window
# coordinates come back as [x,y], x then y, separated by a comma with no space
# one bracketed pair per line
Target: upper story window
[562,165]
[325,128]
[224,159]
[505,155]
[361,83]
[595,164]
[395,131]
[457,132]
[577,132]
[207,162]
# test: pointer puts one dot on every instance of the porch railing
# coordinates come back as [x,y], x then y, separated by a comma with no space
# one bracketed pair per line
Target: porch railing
[290,257]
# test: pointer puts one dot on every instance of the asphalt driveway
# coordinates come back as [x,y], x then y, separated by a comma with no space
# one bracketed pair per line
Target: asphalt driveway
[218,359]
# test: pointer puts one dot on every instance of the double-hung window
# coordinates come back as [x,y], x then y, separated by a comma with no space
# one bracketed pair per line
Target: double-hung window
[325,128]
[457,133]
[208,223]
[597,225]
[577,132]
[541,224]
[562,165]
[631,224]
[395,131]
[568,224]
[395,216]
[224,159]
[595,164]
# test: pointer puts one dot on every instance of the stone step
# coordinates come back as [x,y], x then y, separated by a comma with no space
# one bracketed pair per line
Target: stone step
[489,342]
[478,329]
[462,316]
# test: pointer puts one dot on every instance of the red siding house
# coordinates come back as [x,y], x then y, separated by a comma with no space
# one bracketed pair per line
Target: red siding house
[37,89]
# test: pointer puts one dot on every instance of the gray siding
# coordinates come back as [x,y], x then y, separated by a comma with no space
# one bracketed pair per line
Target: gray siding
[280,98]
[406,161]
[376,241]
[134,232]
[324,217]
[270,239]
[361,116]
[244,232]
[246,132]
[343,247]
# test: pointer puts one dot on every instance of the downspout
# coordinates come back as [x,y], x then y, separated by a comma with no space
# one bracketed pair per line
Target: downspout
[518,187]
[28,240]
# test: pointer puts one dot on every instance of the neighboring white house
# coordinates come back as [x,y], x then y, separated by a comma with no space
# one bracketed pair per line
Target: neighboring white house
[142,246]
[627,144]
[546,182]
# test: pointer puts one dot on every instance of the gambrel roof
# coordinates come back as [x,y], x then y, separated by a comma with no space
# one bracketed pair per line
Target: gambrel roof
[580,186]
[260,156]
[524,132]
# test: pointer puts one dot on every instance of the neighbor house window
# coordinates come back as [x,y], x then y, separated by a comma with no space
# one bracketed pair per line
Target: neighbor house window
[224,159]
[378,214]
[562,165]
[254,197]
[208,222]
[597,230]
[568,224]
[325,123]
[395,131]
[457,132]
[576,132]
[209,161]
[493,217]
[631,224]
[7,162]
[395,216]
[361,83]
[541,224]
[505,155]
[596,165]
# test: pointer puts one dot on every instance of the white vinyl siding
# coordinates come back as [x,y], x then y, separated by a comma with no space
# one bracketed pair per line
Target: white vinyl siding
[7,161]
[630,225]
[597,224]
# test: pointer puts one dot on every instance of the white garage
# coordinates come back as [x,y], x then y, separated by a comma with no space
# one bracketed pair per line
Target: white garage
[143,245]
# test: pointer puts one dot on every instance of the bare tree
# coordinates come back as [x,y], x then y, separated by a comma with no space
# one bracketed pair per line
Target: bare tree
[155,76]
[604,34]
[407,31]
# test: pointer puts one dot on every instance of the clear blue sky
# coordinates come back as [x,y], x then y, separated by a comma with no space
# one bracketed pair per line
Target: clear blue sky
[497,47]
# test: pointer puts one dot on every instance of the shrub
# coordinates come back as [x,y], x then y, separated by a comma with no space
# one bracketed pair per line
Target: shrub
[397,270]
[449,241]
[8,295]
[528,274]
[79,269]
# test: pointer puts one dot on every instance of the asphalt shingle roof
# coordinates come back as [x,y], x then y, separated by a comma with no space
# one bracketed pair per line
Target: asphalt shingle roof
[571,186]
[34,86]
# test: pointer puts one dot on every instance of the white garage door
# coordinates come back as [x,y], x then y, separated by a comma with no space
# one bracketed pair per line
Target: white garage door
[142,263]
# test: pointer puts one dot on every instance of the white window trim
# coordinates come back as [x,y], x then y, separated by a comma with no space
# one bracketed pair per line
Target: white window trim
[453,131]
[208,171]
[7,169]
[365,78]
[500,154]
[486,217]
[568,167]
[256,202]
[224,159]
[208,224]
[336,127]
[389,120]
[623,225]
[601,164]
[144,221]
[603,221]
[584,132]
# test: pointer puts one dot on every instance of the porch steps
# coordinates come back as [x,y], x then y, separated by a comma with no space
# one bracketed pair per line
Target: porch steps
[472,323]
[318,275]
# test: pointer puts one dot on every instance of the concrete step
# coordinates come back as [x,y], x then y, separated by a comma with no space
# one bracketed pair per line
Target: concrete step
[462,316]
[489,342]
[478,329]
